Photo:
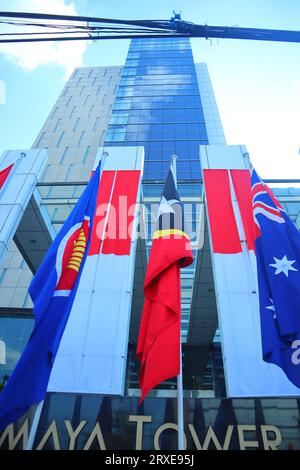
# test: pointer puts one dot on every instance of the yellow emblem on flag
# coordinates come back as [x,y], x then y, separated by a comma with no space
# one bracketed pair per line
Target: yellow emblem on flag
[78,252]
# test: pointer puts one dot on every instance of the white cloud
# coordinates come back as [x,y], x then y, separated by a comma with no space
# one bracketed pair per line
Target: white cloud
[67,54]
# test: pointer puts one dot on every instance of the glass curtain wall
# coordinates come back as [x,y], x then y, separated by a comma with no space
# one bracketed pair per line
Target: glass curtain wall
[158,106]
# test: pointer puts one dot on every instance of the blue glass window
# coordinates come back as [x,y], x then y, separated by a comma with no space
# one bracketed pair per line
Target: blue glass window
[158,106]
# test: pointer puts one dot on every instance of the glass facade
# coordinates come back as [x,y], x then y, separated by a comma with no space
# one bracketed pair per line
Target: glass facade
[158,106]
[153,101]
[203,373]
[15,330]
[290,200]
[210,424]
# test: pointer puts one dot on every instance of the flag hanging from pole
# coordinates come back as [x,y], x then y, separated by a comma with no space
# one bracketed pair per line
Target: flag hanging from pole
[277,245]
[158,346]
[52,290]
[4,174]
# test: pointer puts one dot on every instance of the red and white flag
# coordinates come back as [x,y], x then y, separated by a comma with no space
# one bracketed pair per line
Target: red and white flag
[93,350]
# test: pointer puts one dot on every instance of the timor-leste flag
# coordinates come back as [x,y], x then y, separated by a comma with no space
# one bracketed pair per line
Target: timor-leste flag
[158,346]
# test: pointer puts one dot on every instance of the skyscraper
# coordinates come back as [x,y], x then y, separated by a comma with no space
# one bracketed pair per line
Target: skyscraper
[163,101]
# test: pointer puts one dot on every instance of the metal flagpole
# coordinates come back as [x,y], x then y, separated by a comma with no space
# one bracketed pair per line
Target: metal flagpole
[180,403]
[34,426]
[181,443]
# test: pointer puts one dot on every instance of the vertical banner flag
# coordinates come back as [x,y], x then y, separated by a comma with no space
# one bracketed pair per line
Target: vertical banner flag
[277,246]
[92,354]
[52,290]
[158,346]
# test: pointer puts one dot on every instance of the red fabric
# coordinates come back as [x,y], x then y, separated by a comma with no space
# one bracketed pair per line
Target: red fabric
[68,275]
[224,232]
[118,229]
[103,197]
[159,337]
[121,214]
[4,174]
[242,187]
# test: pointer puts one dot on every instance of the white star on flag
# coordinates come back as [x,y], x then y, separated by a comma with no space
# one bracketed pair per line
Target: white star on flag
[283,265]
[271,307]
[165,206]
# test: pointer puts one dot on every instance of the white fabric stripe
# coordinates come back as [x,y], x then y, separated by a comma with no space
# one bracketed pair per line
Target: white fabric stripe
[269,215]
[258,194]
[272,208]
[109,324]
[61,293]
[238,308]
[266,206]
[256,184]
[266,192]
[92,353]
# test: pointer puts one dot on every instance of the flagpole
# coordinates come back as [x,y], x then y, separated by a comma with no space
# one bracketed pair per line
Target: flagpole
[34,426]
[180,403]
[180,420]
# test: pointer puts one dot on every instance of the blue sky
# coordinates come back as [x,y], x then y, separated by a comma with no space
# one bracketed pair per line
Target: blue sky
[257,84]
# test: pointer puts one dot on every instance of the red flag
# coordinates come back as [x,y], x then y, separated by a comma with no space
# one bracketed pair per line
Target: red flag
[4,174]
[159,337]
[224,232]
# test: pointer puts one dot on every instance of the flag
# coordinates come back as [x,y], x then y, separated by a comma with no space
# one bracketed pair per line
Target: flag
[158,346]
[92,353]
[52,291]
[277,245]
[4,174]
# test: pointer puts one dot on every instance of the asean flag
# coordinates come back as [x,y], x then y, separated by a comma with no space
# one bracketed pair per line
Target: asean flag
[52,290]
[158,346]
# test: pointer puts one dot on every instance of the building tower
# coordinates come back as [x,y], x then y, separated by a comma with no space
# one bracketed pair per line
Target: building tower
[161,100]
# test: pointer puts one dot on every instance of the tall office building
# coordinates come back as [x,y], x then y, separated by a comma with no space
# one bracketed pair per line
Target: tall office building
[160,100]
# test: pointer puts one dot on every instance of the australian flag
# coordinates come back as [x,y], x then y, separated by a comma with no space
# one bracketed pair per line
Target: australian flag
[52,290]
[277,245]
